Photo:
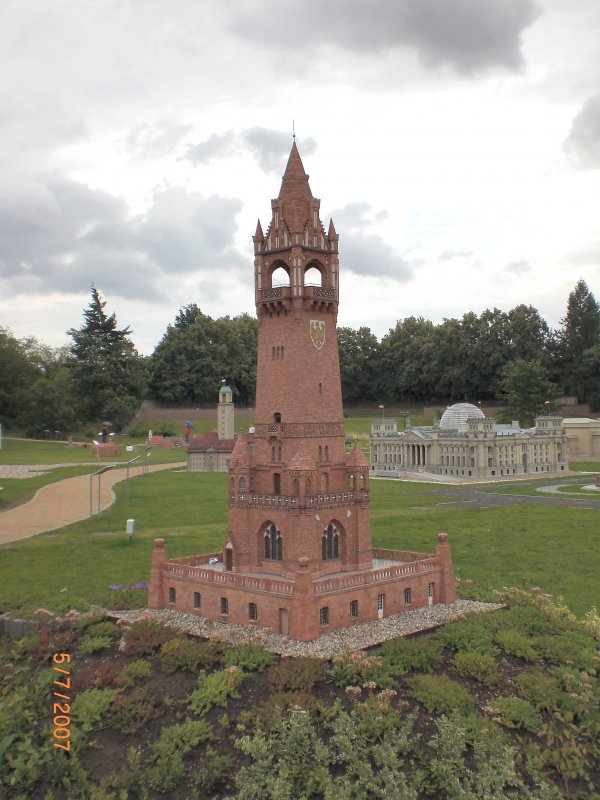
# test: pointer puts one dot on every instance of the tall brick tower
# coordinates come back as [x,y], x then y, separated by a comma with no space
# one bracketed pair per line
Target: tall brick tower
[297,555]
[313,497]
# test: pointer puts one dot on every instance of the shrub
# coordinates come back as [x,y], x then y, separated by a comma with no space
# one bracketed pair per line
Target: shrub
[135,669]
[147,635]
[297,674]
[439,694]
[591,623]
[516,644]
[102,628]
[568,647]
[175,741]
[99,676]
[215,771]
[93,644]
[215,690]
[467,637]
[474,665]
[89,707]
[514,712]
[249,657]
[541,690]
[405,655]
[130,712]
[351,669]
[180,654]
[211,654]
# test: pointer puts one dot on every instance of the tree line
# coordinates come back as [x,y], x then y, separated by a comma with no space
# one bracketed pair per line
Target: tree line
[512,357]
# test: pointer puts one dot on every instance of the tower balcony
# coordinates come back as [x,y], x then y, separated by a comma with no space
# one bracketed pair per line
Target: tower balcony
[295,501]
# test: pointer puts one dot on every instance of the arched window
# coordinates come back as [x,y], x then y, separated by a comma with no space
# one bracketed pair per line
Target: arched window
[313,277]
[280,277]
[273,544]
[242,485]
[330,543]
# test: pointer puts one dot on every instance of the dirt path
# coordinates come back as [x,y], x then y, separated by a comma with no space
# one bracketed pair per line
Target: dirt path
[64,502]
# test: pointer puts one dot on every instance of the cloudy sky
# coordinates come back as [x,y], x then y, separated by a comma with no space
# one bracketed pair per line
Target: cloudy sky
[456,143]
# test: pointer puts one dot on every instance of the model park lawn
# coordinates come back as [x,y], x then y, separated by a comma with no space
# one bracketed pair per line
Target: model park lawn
[500,705]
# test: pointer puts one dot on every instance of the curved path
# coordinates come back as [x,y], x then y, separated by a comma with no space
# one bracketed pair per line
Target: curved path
[479,498]
[64,502]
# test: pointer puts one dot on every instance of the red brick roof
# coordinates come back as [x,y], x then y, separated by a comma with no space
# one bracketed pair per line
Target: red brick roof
[210,441]
[302,460]
[356,458]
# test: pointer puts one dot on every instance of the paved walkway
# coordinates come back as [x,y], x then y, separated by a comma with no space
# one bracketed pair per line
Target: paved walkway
[64,502]
[479,498]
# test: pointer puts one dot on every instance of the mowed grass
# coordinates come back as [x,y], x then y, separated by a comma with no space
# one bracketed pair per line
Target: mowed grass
[554,548]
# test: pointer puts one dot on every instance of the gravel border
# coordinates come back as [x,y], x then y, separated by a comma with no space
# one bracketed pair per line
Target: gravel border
[328,645]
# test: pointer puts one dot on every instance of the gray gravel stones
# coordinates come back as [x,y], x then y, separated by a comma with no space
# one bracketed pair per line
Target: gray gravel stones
[328,645]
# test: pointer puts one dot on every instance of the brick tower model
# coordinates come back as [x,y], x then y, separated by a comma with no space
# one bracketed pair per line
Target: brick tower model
[298,556]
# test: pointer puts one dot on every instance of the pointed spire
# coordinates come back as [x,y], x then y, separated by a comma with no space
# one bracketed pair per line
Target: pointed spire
[295,193]
[331,233]
[259,235]
[356,458]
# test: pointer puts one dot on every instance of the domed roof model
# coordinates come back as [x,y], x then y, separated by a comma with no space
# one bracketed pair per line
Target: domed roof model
[455,417]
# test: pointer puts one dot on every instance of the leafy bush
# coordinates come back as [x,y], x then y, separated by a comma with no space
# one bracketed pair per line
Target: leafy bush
[131,711]
[175,741]
[541,690]
[180,654]
[215,771]
[297,674]
[135,669]
[467,637]
[516,644]
[93,644]
[591,623]
[289,762]
[90,707]
[211,654]
[102,628]
[514,712]
[439,694]
[249,657]
[147,635]
[215,690]
[104,674]
[474,665]
[406,655]
[568,647]
[352,669]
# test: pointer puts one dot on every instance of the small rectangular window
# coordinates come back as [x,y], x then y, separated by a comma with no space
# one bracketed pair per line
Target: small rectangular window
[430,590]
[172,594]
[224,605]
[197,600]
[324,615]
[380,602]
[407,595]
[252,611]
[354,608]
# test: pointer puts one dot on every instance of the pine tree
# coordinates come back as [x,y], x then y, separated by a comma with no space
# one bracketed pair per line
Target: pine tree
[108,371]
[580,332]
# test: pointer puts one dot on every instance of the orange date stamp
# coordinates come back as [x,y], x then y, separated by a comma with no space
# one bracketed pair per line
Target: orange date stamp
[61,710]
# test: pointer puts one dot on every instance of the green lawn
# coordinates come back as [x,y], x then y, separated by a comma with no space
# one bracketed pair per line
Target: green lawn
[555,548]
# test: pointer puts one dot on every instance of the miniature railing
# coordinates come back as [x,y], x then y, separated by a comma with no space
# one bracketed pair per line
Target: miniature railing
[327,498]
[233,579]
[299,430]
[375,576]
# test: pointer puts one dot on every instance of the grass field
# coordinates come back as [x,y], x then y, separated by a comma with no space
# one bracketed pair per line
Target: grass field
[554,548]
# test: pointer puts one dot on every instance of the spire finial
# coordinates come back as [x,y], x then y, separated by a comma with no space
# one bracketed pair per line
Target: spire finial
[294,129]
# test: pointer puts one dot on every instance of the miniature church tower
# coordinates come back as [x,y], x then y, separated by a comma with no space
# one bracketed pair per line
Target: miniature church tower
[297,554]
[225,413]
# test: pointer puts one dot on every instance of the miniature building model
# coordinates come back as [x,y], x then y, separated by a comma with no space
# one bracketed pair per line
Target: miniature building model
[297,555]
[466,443]
[209,452]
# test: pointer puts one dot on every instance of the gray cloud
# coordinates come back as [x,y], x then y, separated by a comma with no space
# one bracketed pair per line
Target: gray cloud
[584,137]
[450,255]
[365,253]
[59,235]
[518,267]
[157,139]
[468,35]
[269,147]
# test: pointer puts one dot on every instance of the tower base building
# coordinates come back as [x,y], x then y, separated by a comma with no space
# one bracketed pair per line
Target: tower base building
[297,555]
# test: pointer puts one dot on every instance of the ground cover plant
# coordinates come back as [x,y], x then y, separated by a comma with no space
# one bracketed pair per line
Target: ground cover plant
[428,718]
